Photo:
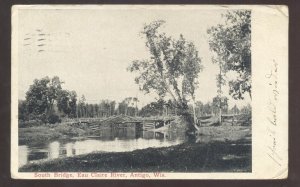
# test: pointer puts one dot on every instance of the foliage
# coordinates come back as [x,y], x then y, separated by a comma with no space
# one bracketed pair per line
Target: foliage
[72,104]
[172,69]
[37,99]
[106,108]
[40,100]
[159,108]
[23,111]
[220,103]
[66,102]
[231,43]
[172,62]
[53,118]
[153,109]
[54,89]
[199,108]
[246,109]
[234,110]
[127,102]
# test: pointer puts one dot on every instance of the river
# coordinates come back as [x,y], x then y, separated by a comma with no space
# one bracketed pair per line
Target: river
[106,140]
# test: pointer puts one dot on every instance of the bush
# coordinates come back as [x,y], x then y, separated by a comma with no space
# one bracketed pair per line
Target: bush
[53,118]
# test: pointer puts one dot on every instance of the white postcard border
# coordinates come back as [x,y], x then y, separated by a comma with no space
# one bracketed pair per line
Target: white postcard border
[269,54]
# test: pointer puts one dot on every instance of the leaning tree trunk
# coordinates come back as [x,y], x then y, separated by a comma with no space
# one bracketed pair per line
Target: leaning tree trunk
[194,114]
[188,117]
[220,96]
[220,111]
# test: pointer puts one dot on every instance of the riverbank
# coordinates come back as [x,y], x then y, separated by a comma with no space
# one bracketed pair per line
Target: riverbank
[233,156]
[45,133]
[216,149]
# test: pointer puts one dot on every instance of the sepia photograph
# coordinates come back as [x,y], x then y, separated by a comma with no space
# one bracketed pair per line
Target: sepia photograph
[132,92]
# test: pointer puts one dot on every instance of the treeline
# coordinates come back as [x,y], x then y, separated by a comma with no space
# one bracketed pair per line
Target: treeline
[106,108]
[213,108]
[47,102]
[162,107]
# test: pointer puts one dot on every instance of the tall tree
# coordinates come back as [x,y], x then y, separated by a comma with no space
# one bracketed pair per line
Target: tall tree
[172,69]
[42,95]
[207,109]
[81,106]
[246,109]
[199,108]
[135,101]
[72,103]
[220,105]
[23,110]
[112,106]
[63,102]
[37,98]
[235,110]
[54,90]
[231,43]
[127,102]
[122,108]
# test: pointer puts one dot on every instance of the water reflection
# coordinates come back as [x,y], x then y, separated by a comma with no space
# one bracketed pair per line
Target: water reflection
[23,155]
[106,140]
[54,150]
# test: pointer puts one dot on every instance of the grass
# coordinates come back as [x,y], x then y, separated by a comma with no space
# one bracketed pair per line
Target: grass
[212,157]
[45,133]
[224,133]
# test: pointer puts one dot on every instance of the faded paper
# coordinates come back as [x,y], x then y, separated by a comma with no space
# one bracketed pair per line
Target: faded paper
[269,56]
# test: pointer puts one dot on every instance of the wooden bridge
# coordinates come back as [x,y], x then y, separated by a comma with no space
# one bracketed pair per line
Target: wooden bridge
[123,121]
[155,123]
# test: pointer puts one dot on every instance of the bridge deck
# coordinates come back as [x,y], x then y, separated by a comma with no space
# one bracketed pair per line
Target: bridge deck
[116,121]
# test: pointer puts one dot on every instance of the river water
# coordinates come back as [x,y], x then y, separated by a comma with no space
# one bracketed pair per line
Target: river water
[106,140]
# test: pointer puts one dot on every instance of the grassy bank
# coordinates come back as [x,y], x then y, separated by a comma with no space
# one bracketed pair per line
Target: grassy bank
[45,133]
[224,133]
[212,157]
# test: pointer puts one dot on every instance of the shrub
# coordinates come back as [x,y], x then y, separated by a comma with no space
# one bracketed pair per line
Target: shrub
[53,118]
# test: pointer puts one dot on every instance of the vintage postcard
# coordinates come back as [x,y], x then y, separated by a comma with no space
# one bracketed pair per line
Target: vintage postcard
[149,92]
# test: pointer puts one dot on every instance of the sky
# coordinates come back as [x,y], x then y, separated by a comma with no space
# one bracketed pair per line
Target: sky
[90,49]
